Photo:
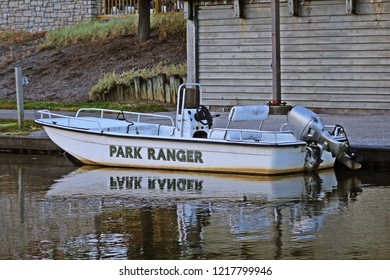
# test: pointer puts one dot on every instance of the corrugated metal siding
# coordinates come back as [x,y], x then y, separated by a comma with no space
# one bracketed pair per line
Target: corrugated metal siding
[329,58]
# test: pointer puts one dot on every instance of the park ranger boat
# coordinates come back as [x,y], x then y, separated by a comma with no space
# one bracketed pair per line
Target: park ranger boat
[190,142]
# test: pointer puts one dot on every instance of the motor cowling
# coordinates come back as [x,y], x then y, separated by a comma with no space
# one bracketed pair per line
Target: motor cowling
[307,126]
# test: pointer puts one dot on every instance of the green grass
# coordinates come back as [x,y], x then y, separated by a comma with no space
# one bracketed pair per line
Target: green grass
[145,107]
[89,32]
[166,23]
[169,23]
[11,127]
[98,29]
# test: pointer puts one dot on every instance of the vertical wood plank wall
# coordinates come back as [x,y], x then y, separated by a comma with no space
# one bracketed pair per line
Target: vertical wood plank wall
[329,58]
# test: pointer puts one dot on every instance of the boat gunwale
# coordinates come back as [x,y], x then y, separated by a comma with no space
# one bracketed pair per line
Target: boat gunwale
[164,138]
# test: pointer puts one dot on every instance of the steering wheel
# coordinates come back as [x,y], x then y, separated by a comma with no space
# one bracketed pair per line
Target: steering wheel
[203,116]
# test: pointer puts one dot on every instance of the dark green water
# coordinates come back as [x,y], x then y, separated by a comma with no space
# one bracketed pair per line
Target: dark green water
[52,209]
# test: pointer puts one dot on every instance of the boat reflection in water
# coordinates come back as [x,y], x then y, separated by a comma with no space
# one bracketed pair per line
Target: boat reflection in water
[138,183]
[144,214]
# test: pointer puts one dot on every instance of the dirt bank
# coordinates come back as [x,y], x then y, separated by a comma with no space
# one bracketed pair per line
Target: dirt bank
[67,74]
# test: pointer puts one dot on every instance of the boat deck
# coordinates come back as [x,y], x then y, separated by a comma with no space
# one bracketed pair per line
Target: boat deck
[123,127]
[103,125]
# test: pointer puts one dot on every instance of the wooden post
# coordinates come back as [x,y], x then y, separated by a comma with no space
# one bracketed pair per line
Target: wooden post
[276,72]
[158,87]
[149,89]
[137,88]
[174,82]
[19,96]
[144,90]
[167,90]
[191,41]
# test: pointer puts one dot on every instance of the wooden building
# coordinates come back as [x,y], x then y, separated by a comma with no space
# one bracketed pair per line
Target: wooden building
[334,53]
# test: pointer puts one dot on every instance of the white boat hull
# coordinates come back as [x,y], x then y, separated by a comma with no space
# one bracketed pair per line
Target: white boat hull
[206,155]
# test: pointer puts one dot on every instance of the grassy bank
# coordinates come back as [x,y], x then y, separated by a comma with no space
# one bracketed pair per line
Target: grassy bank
[11,127]
[165,24]
[145,106]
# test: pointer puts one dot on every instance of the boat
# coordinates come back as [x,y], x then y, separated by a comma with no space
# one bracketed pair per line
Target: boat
[190,142]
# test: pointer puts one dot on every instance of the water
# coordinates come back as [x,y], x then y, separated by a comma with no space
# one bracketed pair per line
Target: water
[53,209]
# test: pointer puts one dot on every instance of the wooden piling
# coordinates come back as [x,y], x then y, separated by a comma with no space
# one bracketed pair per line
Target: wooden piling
[149,89]
[159,88]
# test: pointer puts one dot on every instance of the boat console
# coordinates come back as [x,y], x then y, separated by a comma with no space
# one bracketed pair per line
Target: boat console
[193,120]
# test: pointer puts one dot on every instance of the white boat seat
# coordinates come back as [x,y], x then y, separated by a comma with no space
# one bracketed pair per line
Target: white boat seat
[151,129]
[248,113]
[166,130]
[235,134]
[242,113]
[144,129]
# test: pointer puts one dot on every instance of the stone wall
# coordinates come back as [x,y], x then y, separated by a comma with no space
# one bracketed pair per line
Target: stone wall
[41,15]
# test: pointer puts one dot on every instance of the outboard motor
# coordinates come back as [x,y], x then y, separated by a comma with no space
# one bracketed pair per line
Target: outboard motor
[307,126]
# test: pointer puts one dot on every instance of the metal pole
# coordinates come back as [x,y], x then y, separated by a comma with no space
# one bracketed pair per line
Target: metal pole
[19,96]
[276,76]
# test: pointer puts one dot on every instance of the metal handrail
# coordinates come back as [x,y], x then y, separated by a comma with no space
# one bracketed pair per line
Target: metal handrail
[226,130]
[139,115]
[50,120]
[68,118]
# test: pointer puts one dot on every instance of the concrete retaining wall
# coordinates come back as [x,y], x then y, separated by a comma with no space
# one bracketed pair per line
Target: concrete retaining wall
[28,144]
[40,15]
